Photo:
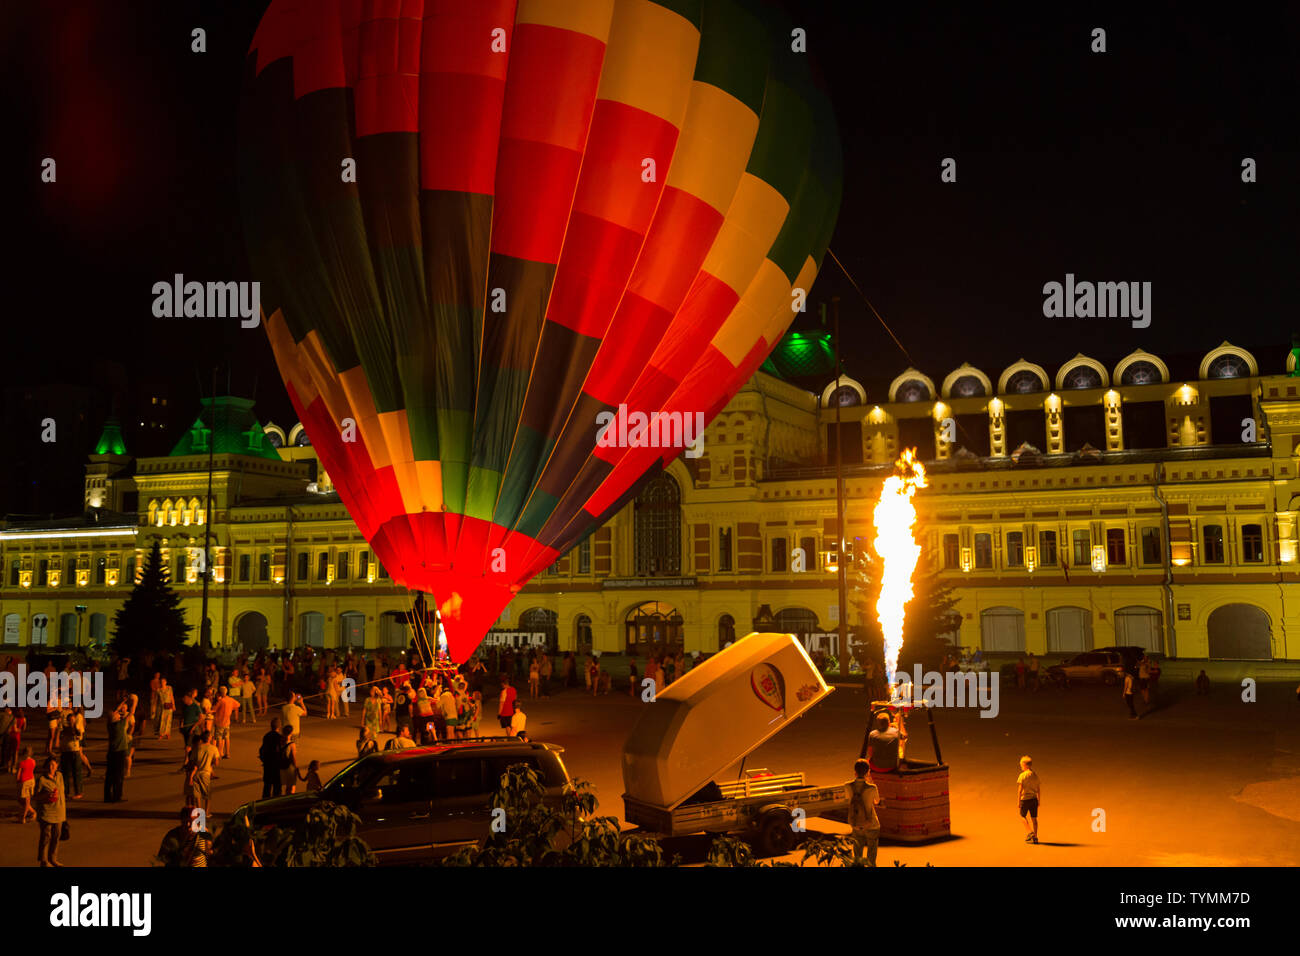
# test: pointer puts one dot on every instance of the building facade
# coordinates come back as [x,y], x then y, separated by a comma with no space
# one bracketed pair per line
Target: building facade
[1102,504]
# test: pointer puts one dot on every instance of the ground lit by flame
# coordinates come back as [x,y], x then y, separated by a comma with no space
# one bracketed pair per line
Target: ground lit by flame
[894,518]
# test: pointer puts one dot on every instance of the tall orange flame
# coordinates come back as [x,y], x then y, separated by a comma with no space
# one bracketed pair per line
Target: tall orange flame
[894,517]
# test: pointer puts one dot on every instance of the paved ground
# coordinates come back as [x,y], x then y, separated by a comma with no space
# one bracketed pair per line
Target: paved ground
[1204,781]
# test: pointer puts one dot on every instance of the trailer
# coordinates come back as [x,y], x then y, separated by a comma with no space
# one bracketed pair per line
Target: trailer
[712,718]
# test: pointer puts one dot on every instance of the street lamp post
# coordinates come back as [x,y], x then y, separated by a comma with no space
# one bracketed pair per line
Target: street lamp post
[841,572]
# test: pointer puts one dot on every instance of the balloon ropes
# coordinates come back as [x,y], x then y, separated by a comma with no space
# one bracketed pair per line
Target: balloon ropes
[483,229]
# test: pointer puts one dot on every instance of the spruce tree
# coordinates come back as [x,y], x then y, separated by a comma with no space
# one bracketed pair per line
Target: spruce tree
[930,614]
[151,617]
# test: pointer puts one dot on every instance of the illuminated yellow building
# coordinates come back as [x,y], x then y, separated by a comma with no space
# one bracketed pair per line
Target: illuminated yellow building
[1094,505]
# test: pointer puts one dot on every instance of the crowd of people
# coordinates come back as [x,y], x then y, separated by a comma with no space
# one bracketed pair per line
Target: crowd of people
[197,701]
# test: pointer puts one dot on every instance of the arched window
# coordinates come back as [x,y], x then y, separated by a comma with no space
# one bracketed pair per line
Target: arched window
[540,620]
[1002,629]
[653,628]
[845,396]
[1141,373]
[796,620]
[1082,376]
[968,386]
[726,630]
[1024,382]
[913,390]
[1229,365]
[657,521]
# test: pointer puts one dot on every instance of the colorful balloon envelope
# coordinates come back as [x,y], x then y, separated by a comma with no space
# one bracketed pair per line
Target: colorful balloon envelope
[482,227]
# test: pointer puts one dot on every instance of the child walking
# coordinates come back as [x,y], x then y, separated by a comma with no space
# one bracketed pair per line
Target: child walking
[1029,791]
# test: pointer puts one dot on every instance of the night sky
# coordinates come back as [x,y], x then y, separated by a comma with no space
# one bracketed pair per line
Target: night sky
[1121,166]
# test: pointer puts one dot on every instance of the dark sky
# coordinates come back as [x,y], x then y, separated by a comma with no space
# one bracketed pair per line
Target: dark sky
[1116,166]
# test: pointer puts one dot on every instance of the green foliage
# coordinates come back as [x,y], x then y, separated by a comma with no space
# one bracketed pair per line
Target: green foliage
[829,851]
[326,837]
[567,833]
[536,832]
[730,851]
[151,617]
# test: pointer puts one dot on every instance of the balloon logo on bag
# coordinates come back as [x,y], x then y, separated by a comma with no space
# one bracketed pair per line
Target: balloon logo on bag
[768,686]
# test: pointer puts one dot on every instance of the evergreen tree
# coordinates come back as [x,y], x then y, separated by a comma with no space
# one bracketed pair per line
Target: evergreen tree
[930,614]
[151,617]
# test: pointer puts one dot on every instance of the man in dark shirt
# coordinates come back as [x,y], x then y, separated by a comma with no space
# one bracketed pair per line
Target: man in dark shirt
[190,713]
[883,745]
[271,754]
[119,743]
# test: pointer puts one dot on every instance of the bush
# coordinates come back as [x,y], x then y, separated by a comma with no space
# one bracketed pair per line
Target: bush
[326,837]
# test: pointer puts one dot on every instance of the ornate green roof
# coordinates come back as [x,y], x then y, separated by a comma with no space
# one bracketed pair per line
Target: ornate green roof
[801,355]
[111,441]
[237,430]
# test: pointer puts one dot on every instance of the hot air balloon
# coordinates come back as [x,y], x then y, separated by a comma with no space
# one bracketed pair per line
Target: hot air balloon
[478,226]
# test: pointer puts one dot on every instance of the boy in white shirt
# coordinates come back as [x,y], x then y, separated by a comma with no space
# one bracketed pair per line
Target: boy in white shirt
[1029,791]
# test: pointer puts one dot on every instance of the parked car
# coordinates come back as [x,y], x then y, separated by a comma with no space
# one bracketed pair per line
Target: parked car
[1130,654]
[424,803]
[1105,666]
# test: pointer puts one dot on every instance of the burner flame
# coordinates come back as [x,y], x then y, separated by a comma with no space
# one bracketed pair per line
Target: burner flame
[895,516]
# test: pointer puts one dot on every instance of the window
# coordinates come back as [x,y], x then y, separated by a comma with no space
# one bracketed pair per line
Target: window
[458,778]
[912,390]
[584,556]
[778,555]
[1141,373]
[657,528]
[341,573]
[130,570]
[263,567]
[304,566]
[951,551]
[182,562]
[363,566]
[1015,549]
[245,567]
[70,572]
[43,573]
[1082,376]
[1115,546]
[1024,382]
[101,566]
[809,546]
[1152,553]
[15,572]
[1212,537]
[1082,549]
[322,566]
[1252,543]
[1047,549]
[383,571]
[983,550]
[724,549]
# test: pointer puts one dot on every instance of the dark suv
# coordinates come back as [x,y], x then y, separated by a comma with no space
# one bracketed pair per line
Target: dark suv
[427,802]
[1104,666]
